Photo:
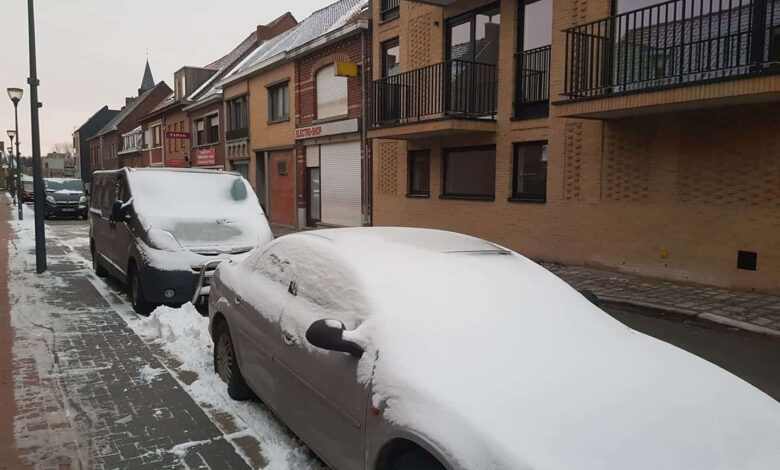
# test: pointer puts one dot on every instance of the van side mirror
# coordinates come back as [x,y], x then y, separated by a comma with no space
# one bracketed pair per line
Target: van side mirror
[119,212]
[327,334]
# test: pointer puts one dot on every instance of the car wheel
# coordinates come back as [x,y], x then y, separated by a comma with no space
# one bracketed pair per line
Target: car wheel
[137,298]
[226,365]
[417,460]
[100,271]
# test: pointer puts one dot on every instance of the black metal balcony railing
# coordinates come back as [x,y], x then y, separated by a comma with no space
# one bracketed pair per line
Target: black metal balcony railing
[389,9]
[533,82]
[455,88]
[237,134]
[675,42]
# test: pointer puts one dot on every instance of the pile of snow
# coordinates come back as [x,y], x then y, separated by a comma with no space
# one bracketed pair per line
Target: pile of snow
[183,334]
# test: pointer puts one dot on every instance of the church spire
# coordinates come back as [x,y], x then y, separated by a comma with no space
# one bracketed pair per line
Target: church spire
[147,83]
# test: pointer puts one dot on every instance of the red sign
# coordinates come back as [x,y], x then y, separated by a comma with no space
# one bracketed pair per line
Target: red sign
[206,156]
[176,163]
[177,135]
[308,132]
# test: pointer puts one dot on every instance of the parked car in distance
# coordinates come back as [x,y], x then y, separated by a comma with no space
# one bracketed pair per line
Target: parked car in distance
[400,349]
[154,229]
[65,197]
[28,190]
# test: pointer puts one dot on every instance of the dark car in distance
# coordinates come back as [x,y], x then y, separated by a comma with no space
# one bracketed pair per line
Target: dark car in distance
[65,197]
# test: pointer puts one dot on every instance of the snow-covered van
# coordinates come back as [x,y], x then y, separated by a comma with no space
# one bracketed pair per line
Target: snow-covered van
[155,228]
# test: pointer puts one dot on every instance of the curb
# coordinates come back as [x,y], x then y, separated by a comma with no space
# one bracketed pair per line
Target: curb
[708,317]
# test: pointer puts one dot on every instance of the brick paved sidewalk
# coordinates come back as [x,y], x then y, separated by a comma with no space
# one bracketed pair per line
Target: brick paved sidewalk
[759,313]
[89,392]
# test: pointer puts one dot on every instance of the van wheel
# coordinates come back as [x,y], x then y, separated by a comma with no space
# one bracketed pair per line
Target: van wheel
[100,271]
[226,365]
[137,298]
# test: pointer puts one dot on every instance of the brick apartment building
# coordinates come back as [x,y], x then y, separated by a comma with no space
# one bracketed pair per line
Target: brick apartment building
[81,140]
[261,103]
[206,111]
[586,131]
[107,147]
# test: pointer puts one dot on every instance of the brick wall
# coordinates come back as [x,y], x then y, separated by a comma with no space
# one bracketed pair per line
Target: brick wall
[306,70]
[672,195]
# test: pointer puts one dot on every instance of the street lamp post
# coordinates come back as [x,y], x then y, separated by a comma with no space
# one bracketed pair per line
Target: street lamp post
[16,95]
[40,234]
[11,166]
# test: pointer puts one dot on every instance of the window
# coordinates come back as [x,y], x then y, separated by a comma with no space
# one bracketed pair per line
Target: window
[279,102]
[390,9]
[200,132]
[207,130]
[236,117]
[474,36]
[331,93]
[157,136]
[419,167]
[180,86]
[470,173]
[529,181]
[212,129]
[391,58]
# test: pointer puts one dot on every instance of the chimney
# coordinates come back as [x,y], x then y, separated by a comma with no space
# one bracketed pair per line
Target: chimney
[276,27]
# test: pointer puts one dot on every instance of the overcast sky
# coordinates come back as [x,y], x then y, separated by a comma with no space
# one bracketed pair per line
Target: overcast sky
[92,52]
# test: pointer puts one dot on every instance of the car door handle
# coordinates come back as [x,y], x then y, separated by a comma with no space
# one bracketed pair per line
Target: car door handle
[289,339]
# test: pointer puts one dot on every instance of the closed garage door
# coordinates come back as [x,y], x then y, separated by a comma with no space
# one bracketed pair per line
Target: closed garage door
[340,176]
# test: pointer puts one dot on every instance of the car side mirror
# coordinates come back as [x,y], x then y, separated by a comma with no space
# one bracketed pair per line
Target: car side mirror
[327,335]
[119,211]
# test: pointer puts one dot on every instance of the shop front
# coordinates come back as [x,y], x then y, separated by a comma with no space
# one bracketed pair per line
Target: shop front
[333,162]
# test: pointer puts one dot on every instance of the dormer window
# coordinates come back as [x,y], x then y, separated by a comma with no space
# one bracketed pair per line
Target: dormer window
[180,86]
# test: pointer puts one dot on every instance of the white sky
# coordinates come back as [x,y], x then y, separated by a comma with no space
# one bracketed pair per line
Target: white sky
[92,52]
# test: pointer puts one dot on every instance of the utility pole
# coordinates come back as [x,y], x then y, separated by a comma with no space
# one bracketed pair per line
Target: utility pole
[40,234]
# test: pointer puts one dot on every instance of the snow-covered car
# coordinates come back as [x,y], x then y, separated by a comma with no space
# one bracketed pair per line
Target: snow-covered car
[65,197]
[156,228]
[393,348]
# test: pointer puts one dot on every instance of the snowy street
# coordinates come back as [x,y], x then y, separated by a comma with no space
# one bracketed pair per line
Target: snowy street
[98,387]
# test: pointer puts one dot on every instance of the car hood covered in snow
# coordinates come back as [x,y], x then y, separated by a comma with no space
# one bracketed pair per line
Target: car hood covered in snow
[500,364]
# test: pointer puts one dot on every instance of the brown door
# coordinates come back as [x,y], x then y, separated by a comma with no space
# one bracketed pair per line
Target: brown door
[281,171]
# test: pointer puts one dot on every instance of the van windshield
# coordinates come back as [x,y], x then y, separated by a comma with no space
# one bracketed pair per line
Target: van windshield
[199,209]
[55,184]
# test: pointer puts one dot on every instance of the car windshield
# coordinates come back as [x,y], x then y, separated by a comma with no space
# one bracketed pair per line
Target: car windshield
[63,185]
[199,209]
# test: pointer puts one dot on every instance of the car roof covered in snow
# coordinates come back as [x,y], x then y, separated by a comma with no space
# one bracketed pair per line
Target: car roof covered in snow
[402,238]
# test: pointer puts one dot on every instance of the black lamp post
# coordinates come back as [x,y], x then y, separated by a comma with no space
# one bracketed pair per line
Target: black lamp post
[11,166]
[16,95]
[40,234]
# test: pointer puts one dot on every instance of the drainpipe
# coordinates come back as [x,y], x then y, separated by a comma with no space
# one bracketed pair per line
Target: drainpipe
[368,167]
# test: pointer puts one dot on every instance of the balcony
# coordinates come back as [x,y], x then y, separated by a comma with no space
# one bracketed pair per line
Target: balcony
[236,134]
[450,97]
[681,51]
[533,83]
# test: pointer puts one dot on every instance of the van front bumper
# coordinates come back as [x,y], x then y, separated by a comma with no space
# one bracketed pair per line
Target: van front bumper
[168,287]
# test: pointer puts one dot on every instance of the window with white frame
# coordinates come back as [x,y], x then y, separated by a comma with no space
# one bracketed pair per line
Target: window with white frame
[331,93]
[207,130]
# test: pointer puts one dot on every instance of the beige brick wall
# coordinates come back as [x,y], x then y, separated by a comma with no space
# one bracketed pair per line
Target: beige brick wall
[671,195]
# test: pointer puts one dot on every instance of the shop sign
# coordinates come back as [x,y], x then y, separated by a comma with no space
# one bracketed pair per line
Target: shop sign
[346,126]
[177,135]
[176,163]
[206,156]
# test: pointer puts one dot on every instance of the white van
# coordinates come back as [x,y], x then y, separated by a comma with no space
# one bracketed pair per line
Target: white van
[155,228]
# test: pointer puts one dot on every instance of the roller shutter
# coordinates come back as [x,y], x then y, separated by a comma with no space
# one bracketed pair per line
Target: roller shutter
[340,181]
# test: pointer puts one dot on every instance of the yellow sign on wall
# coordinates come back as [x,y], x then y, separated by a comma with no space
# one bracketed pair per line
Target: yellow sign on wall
[346,69]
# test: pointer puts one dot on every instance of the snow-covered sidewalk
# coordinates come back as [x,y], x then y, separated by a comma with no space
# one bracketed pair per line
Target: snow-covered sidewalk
[98,387]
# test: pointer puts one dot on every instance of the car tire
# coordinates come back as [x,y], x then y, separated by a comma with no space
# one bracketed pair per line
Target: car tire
[226,365]
[416,460]
[137,297]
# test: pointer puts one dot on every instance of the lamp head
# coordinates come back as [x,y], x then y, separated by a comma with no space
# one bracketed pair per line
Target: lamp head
[15,94]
